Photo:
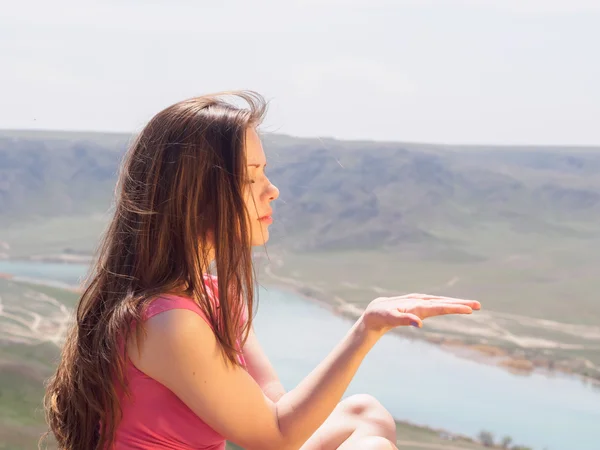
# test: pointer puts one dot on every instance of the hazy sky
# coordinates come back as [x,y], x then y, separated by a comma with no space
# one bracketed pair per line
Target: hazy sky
[456,71]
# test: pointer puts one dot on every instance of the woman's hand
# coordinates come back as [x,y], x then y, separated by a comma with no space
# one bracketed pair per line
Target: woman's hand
[385,313]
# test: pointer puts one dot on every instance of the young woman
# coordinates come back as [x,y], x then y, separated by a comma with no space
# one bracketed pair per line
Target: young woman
[162,354]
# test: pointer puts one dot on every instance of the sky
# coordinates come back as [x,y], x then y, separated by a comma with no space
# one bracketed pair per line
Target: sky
[445,71]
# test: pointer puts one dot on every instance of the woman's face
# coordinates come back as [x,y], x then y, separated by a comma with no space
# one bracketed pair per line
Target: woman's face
[260,192]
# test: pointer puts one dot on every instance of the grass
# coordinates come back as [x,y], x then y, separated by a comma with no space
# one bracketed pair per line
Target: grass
[21,390]
[21,414]
[551,285]
[23,369]
[537,296]
[32,237]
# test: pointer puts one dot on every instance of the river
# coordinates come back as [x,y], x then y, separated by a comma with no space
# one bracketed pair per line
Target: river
[415,380]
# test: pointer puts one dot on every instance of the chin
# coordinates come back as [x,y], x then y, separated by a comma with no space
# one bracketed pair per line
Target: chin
[259,243]
[261,240]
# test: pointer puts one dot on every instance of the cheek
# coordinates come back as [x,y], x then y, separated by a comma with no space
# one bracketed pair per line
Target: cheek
[255,193]
[250,194]
[252,201]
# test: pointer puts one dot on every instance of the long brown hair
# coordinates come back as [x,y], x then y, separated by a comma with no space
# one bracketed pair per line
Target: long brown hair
[181,186]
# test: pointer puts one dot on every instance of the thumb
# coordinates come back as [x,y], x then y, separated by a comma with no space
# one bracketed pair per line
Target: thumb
[408,319]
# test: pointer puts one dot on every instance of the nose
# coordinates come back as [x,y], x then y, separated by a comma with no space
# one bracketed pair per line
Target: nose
[273,192]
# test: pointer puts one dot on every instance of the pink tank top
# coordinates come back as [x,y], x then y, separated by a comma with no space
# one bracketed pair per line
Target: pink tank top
[153,416]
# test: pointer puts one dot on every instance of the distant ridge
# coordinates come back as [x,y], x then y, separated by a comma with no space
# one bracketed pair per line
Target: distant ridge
[110,137]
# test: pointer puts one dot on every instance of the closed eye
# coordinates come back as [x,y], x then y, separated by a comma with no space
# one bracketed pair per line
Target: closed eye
[257,165]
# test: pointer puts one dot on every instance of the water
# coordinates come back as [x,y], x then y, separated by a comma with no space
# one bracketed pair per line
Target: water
[415,380]
[421,383]
[53,273]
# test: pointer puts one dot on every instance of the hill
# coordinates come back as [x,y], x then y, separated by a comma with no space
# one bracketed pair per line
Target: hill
[340,195]
[515,227]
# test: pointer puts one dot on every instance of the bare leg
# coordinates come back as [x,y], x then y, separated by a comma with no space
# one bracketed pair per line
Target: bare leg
[368,443]
[358,422]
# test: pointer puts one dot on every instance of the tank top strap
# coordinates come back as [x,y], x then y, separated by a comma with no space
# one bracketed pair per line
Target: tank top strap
[168,302]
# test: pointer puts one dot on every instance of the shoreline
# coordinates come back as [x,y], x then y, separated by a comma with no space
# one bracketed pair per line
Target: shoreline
[346,311]
[480,353]
[493,355]
[440,432]
[60,258]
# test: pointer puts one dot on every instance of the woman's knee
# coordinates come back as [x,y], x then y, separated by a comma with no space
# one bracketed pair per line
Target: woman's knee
[370,412]
[371,443]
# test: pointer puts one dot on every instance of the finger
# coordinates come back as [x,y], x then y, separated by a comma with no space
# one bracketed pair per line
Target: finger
[440,309]
[473,304]
[408,319]
[436,297]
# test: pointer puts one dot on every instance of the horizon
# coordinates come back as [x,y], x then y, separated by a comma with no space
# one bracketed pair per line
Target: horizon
[18,133]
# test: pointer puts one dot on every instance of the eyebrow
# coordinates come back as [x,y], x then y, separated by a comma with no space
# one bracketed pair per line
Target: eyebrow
[257,165]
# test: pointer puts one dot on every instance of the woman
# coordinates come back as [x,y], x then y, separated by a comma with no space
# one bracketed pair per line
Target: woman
[162,354]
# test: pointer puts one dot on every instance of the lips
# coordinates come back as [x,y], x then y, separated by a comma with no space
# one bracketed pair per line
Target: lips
[267,218]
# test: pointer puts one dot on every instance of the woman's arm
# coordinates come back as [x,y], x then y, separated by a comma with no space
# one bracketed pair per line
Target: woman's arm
[230,401]
[260,368]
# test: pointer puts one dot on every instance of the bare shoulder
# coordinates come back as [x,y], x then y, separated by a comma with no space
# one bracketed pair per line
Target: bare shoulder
[169,335]
[180,351]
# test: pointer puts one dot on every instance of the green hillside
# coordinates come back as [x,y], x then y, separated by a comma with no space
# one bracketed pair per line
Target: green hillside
[341,195]
[515,227]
